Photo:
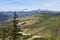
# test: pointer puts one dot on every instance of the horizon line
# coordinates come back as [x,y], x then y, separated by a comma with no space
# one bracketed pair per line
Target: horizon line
[29,10]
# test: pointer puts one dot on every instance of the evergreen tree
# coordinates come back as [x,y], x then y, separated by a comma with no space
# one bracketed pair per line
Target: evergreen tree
[15,29]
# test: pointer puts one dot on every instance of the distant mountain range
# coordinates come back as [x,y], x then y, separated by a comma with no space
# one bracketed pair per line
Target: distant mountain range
[4,15]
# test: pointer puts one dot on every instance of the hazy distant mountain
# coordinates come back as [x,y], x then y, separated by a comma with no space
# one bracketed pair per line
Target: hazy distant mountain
[3,17]
[27,12]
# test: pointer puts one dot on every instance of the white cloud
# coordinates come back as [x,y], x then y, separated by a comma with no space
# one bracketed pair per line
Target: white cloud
[32,4]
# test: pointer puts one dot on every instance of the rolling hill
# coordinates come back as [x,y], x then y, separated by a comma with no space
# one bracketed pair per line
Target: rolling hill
[43,24]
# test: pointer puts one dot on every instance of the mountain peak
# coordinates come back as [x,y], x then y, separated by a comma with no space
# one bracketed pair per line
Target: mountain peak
[25,10]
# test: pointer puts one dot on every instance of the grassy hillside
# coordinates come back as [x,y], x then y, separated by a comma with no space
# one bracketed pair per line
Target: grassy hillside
[47,25]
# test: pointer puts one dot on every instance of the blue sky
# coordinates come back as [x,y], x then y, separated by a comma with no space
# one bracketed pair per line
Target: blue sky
[29,4]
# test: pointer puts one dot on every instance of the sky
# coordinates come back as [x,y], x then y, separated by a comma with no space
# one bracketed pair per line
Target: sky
[17,5]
